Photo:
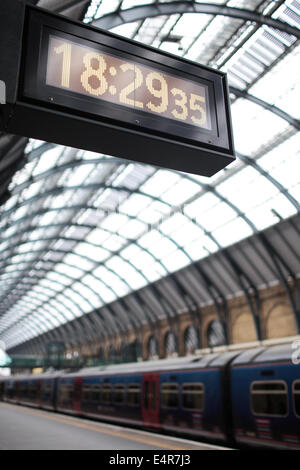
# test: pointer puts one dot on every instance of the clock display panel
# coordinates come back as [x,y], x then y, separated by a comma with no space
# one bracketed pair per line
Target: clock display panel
[91,71]
[92,89]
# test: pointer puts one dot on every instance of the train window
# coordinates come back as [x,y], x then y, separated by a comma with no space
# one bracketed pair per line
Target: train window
[269,398]
[296,395]
[193,397]
[95,393]
[106,394]
[169,396]
[22,391]
[86,393]
[66,393]
[133,394]
[46,391]
[32,391]
[119,394]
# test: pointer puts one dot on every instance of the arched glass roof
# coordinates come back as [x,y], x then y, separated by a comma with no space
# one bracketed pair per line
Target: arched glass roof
[83,229]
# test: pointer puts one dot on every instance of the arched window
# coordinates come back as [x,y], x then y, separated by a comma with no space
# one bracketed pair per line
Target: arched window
[170,344]
[111,353]
[215,334]
[101,353]
[152,348]
[190,340]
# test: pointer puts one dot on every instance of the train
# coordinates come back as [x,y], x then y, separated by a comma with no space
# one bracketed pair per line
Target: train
[235,398]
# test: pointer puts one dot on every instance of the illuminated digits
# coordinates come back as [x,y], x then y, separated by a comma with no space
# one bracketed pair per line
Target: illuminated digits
[181,103]
[138,80]
[161,93]
[66,50]
[196,105]
[91,72]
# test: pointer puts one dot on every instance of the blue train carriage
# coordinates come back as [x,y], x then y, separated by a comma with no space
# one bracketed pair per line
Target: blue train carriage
[65,394]
[194,399]
[110,393]
[266,398]
[48,390]
[113,394]
[28,391]
[33,390]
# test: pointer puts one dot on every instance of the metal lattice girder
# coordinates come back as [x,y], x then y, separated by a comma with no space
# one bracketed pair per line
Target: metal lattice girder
[239,214]
[152,10]
[77,332]
[89,324]
[269,107]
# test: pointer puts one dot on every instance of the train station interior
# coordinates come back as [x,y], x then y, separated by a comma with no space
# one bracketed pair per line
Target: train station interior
[131,289]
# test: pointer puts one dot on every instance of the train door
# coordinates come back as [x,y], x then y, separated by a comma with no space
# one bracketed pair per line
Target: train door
[150,400]
[38,393]
[77,395]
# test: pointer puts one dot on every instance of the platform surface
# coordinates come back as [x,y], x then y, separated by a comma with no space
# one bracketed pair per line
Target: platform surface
[24,428]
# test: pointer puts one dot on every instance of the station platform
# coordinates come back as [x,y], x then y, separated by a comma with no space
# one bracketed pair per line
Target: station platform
[23,428]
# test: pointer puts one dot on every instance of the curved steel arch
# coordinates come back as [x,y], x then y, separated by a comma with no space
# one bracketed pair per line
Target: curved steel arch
[213,189]
[178,246]
[205,231]
[36,153]
[102,324]
[46,288]
[46,271]
[84,271]
[92,333]
[54,332]
[66,166]
[263,104]
[236,209]
[33,327]
[61,189]
[119,17]
[121,188]
[279,186]
[87,272]
[41,294]
[97,264]
[151,254]
[69,277]
[92,227]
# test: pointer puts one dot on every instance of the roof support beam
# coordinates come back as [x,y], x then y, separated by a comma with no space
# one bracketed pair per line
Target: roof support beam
[281,266]
[143,12]
[269,107]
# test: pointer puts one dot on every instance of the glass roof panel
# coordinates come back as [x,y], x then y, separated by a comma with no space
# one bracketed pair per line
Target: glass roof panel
[134,3]
[91,251]
[176,260]
[232,232]
[113,280]
[126,271]
[133,229]
[180,192]
[137,256]
[254,126]
[163,247]
[135,204]
[200,248]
